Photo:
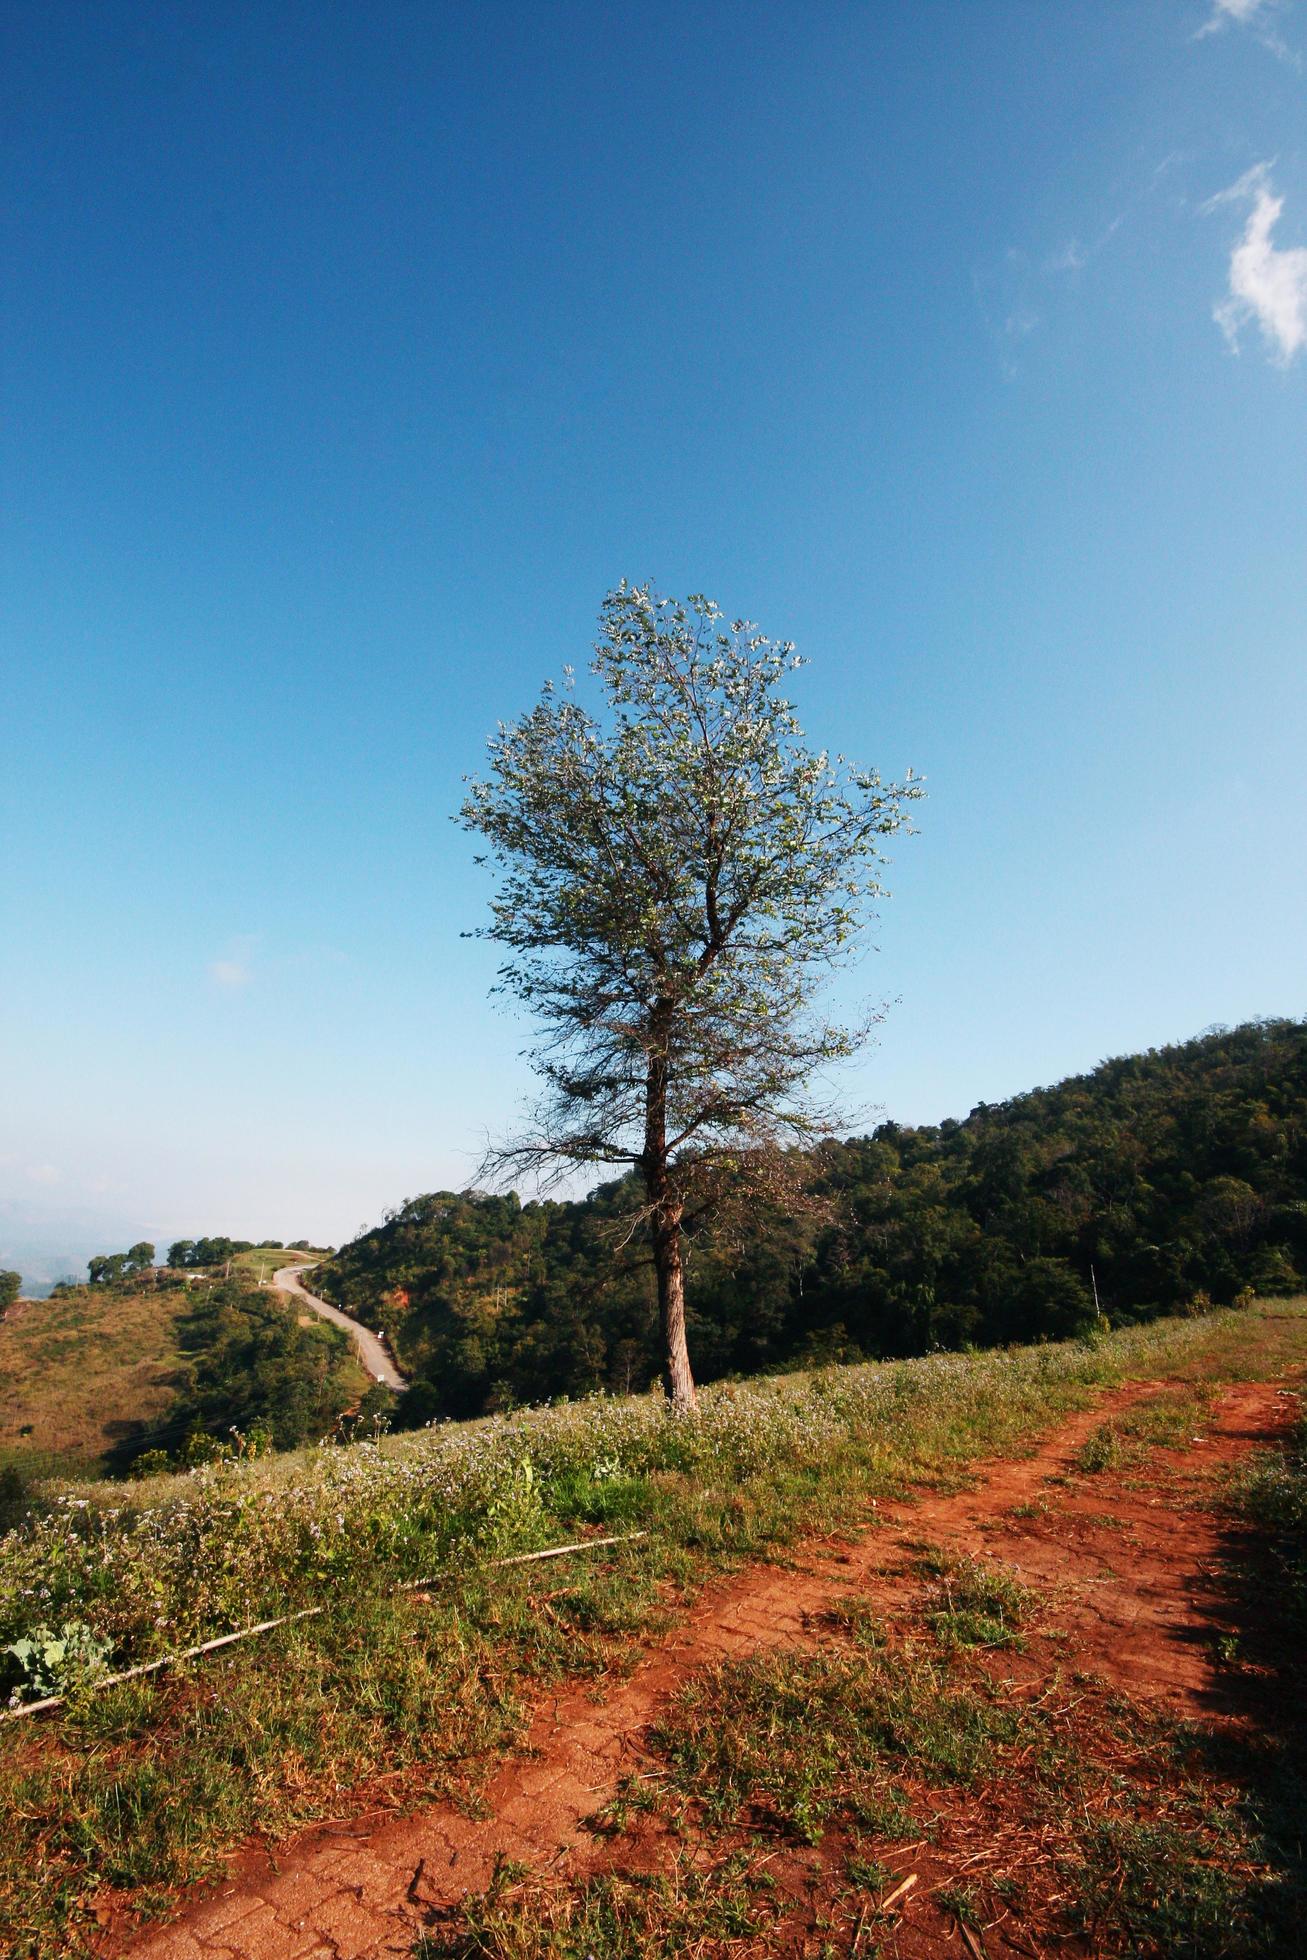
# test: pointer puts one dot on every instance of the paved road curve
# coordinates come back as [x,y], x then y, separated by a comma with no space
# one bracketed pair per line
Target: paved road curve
[371,1350]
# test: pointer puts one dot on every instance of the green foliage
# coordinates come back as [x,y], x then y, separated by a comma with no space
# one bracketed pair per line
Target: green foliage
[206,1252]
[1165,1888]
[254,1379]
[1274,1497]
[51,1661]
[150,1784]
[977,1604]
[112,1268]
[673,871]
[621,1916]
[1172,1181]
[10,1287]
[802,1738]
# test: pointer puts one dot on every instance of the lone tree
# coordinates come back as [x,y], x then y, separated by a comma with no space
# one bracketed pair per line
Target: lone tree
[678,877]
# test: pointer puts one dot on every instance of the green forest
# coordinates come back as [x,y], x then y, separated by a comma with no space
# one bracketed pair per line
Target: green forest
[252,1378]
[1158,1183]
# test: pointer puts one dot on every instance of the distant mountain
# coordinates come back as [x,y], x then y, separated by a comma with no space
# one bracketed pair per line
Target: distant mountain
[47,1242]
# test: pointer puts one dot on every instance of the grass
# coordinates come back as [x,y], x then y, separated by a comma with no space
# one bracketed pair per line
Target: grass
[78,1370]
[822,1769]
[791,1741]
[977,1604]
[798,1789]
[1169,1419]
[638,1916]
[147,1785]
[264,1261]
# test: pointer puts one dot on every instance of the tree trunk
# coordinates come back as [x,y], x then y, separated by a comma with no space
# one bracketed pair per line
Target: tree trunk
[671,1304]
[667,1209]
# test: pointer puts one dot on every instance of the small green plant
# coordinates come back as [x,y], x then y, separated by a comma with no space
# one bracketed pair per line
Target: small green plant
[980,1605]
[867,1873]
[52,1661]
[1104,1450]
[962,1901]
[517,1512]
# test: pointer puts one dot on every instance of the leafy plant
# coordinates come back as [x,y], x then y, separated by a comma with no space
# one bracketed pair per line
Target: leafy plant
[51,1661]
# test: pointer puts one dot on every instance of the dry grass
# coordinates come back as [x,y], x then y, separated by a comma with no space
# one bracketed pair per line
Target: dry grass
[75,1370]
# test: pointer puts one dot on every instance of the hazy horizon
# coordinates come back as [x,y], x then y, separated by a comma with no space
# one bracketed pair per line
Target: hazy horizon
[38,1240]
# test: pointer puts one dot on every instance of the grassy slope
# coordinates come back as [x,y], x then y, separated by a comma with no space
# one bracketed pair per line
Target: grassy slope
[264,1261]
[73,1369]
[147,1785]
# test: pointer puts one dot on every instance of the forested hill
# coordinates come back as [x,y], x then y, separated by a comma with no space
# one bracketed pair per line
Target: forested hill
[1167,1178]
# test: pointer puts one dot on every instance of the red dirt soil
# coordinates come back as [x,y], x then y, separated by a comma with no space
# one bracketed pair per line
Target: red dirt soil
[1138,1593]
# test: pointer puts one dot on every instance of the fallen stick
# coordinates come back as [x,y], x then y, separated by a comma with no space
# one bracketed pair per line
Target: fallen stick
[897,1893]
[528,1558]
[288,1619]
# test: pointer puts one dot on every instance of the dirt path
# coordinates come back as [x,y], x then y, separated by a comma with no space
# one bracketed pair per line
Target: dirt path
[372,1350]
[1137,1589]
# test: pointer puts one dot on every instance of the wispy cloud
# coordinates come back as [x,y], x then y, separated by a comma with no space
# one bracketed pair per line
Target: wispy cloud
[44,1173]
[1075,255]
[1258,15]
[234,969]
[1268,283]
[1004,296]
[1233,13]
[1015,293]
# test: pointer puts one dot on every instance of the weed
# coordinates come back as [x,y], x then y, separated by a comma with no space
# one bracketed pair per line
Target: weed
[867,1873]
[802,1738]
[653,1916]
[1159,1887]
[961,1901]
[1103,1450]
[979,1604]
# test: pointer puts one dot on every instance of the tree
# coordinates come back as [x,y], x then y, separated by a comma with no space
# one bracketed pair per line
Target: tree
[11,1285]
[677,879]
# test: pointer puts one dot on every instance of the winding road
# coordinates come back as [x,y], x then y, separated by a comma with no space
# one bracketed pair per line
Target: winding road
[372,1350]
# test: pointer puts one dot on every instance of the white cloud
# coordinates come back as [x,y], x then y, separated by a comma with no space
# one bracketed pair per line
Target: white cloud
[1268,283]
[1236,12]
[1258,15]
[44,1173]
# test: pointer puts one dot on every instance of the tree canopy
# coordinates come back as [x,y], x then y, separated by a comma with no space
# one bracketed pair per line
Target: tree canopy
[678,875]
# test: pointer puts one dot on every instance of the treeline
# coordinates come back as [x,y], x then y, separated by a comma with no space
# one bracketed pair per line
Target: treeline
[186,1254]
[253,1379]
[1160,1182]
[111,1268]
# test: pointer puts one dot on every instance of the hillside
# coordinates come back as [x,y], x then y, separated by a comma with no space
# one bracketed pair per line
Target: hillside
[78,1371]
[96,1375]
[1159,1180]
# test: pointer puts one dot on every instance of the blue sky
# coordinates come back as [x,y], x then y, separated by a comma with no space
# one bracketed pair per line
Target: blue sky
[350,354]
